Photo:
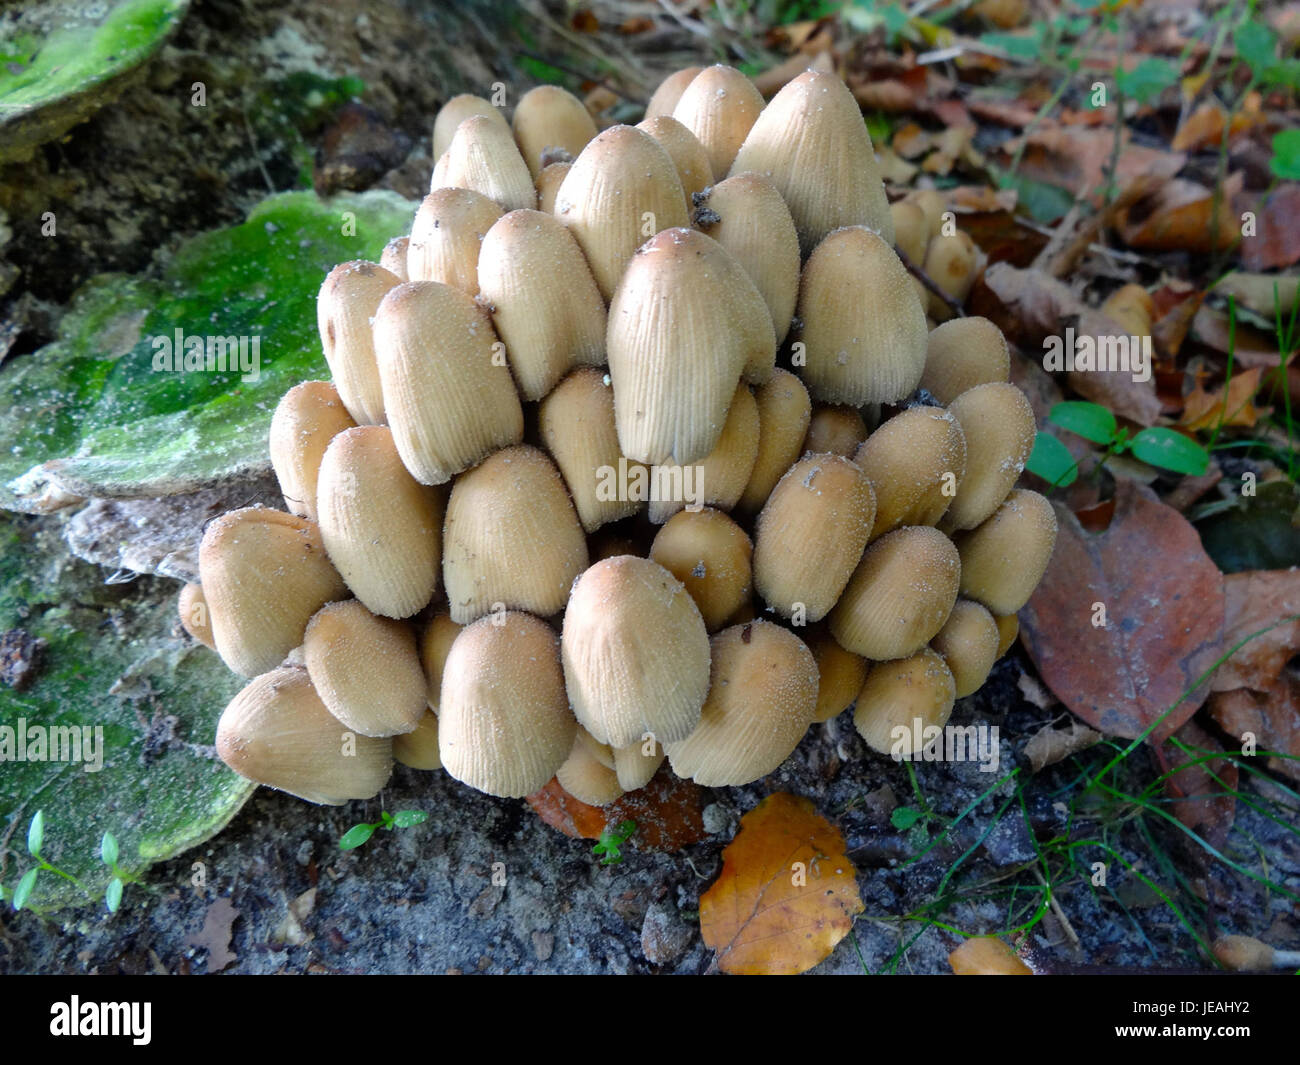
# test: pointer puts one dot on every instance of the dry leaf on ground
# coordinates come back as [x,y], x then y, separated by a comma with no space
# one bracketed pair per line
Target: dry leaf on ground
[214,936]
[669,813]
[1276,240]
[1254,601]
[786,894]
[1232,404]
[1180,216]
[1050,745]
[1163,602]
[1269,721]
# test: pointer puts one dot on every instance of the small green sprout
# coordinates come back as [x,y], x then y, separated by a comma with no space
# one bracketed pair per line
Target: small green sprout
[108,854]
[359,834]
[611,839]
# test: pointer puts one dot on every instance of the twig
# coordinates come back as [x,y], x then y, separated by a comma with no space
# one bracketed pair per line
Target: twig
[1059,263]
[1060,913]
[930,284]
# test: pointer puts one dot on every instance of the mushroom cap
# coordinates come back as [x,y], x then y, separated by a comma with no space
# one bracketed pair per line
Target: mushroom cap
[784,413]
[454,112]
[1008,630]
[840,675]
[622,183]
[968,644]
[381,527]
[987,956]
[951,262]
[859,350]
[545,304]
[962,354]
[434,644]
[393,257]
[511,537]
[719,106]
[193,610]
[365,669]
[899,596]
[548,118]
[548,185]
[899,694]
[264,574]
[483,156]
[1003,559]
[449,396]
[504,725]
[911,230]
[999,427]
[811,142]
[710,554]
[635,652]
[278,732]
[348,299]
[682,292]
[835,431]
[306,419]
[810,535]
[762,698]
[445,237]
[915,462]
[585,774]
[418,749]
[634,767]
[687,153]
[670,91]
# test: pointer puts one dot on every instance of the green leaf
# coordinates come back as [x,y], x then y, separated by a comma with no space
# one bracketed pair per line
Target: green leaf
[1016,45]
[36,834]
[407,818]
[108,849]
[1286,155]
[1088,420]
[89,414]
[113,895]
[355,836]
[904,817]
[1045,202]
[1256,45]
[1051,460]
[1170,450]
[1147,80]
[24,889]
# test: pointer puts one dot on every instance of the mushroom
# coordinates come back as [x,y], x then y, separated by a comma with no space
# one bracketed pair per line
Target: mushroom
[840,675]
[899,596]
[999,427]
[445,237]
[784,413]
[434,644]
[393,257]
[762,698]
[687,153]
[810,535]
[454,112]
[511,537]
[588,773]
[915,462]
[902,699]
[447,388]
[381,527]
[545,304]
[576,425]
[483,156]
[670,90]
[345,307]
[911,230]
[550,124]
[548,185]
[835,431]
[1008,630]
[306,419]
[719,106]
[278,732]
[811,142]
[264,574]
[987,956]
[962,354]
[968,644]
[951,262]
[635,653]
[859,350]
[1003,559]
[621,184]
[710,554]
[504,725]
[365,669]
[193,610]
[746,215]
[418,749]
[636,765]
[683,292]
[1248,953]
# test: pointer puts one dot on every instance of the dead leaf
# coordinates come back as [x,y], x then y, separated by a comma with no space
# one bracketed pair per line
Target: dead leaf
[290,930]
[1254,601]
[669,812]
[894,169]
[786,894]
[1012,113]
[1276,240]
[1232,404]
[214,936]
[1202,790]
[911,141]
[1179,216]
[1176,305]
[1204,126]
[1034,692]
[1250,347]
[774,80]
[1164,612]
[1077,158]
[1050,745]
[1270,721]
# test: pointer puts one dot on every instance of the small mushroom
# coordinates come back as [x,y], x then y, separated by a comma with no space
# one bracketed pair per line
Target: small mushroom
[911,230]
[512,537]
[306,419]
[784,413]
[635,652]
[968,644]
[345,307]
[550,119]
[762,698]
[840,675]
[504,725]
[710,554]
[999,427]
[393,257]
[915,462]
[951,262]
[670,90]
[548,185]
[903,698]
[446,235]
[1003,559]
[637,765]
[962,354]
[588,774]
[899,596]
[418,749]
[193,610]
[1008,630]
[482,156]
[987,956]
[434,644]
[1248,953]
[365,669]
[686,152]
[835,431]
[277,732]
[719,106]
[454,112]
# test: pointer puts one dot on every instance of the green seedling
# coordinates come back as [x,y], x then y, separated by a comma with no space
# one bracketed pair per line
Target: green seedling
[108,854]
[358,834]
[611,839]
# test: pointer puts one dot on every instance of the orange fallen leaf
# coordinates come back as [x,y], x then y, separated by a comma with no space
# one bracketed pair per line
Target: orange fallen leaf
[1232,404]
[1267,722]
[1204,127]
[1179,216]
[1254,601]
[911,140]
[786,894]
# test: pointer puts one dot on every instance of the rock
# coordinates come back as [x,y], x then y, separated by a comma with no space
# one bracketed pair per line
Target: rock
[665,937]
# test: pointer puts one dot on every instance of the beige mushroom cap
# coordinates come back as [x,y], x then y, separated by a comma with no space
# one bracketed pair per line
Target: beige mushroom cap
[901,699]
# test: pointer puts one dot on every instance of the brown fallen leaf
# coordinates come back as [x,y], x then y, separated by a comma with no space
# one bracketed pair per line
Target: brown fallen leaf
[1176,304]
[786,894]
[911,141]
[1203,128]
[1250,347]
[290,930]
[1232,404]
[1076,158]
[1050,745]
[214,936]
[1163,603]
[1254,601]
[1267,721]
[1180,216]
[1202,791]
[1275,241]
[669,812]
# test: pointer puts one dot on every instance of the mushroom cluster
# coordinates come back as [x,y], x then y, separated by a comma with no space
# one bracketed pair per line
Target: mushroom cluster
[640,446]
